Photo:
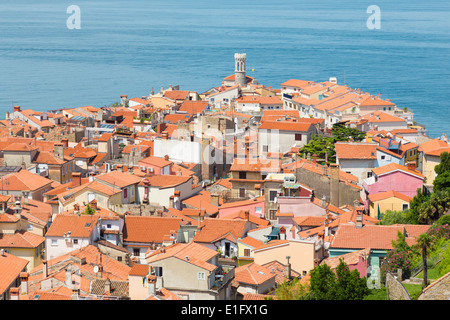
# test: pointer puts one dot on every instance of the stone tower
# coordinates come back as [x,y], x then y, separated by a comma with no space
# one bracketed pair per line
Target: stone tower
[239,69]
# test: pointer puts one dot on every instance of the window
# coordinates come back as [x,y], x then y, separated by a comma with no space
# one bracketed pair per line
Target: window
[272,214]
[405,206]
[272,195]
[246,252]
[200,275]
[158,271]
[125,193]
[30,227]
[265,148]
[242,175]
[119,258]
[298,137]
[108,226]
[242,192]
[75,241]
[369,174]
[383,157]
[136,252]
[54,242]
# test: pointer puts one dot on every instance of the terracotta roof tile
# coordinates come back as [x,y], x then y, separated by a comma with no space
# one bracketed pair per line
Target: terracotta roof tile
[149,229]
[10,269]
[213,229]
[80,226]
[355,150]
[253,274]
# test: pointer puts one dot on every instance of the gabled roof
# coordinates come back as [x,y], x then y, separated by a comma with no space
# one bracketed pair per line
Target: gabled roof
[285,126]
[10,269]
[192,253]
[374,236]
[118,178]
[355,150]
[213,229]
[375,101]
[145,229]
[395,167]
[156,161]
[253,274]
[20,239]
[296,83]
[24,180]
[193,106]
[80,226]
[176,94]
[388,194]
[434,147]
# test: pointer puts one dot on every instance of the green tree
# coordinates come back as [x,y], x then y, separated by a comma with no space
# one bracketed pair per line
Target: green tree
[394,217]
[438,204]
[425,242]
[323,283]
[412,215]
[343,133]
[349,285]
[89,210]
[442,180]
[292,290]
[342,285]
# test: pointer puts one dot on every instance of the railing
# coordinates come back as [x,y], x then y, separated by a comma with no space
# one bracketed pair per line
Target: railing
[219,284]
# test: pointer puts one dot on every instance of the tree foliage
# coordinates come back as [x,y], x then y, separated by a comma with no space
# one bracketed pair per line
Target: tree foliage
[342,285]
[442,180]
[432,210]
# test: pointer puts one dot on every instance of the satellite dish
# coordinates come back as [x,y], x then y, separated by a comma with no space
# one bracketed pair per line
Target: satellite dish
[95,269]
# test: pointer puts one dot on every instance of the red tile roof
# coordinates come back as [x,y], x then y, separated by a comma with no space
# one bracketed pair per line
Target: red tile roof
[149,229]
[10,269]
[213,229]
[388,194]
[395,167]
[286,126]
[355,150]
[80,226]
[253,274]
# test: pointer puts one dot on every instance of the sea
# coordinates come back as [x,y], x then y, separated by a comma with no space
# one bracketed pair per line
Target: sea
[398,49]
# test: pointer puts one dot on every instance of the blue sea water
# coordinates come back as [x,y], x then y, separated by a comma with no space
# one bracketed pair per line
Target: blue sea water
[129,47]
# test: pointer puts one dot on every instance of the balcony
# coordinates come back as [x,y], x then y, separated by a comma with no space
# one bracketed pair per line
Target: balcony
[222,279]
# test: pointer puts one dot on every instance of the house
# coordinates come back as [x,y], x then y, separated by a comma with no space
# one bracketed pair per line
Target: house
[392,200]
[294,86]
[355,260]
[69,232]
[203,200]
[354,237]
[191,271]
[166,190]
[403,179]
[283,272]
[81,274]
[391,150]
[143,233]
[222,234]
[156,165]
[223,98]
[255,207]
[249,174]
[193,107]
[245,249]
[125,182]
[430,153]
[300,254]
[356,158]
[253,278]
[256,104]
[11,269]
[379,120]
[280,136]
[27,184]
[437,290]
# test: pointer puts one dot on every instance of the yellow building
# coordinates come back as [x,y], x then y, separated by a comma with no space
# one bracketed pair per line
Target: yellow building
[245,250]
[431,157]
[392,200]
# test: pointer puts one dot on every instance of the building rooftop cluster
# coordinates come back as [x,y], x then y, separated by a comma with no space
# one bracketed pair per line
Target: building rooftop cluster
[185,195]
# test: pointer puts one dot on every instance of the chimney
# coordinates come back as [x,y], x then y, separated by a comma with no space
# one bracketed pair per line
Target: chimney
[100,271]
[359,217]
[287,271]
[411,165]
[314,159]
[151,286]
[16,108]
[65,142]
[14,292]
[108,286]
[165,135]
[75,293]
[247,215]
[282,233]
[93,204]
[171,202]
[215,199]
[58,151]
[166,157]
[24,282]
[44,269]
[76,179]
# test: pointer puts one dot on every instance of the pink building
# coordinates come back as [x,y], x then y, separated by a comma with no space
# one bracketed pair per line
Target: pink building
[254,206]
[156,165]
[403,179]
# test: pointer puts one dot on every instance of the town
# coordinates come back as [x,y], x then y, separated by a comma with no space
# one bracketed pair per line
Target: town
[242,192]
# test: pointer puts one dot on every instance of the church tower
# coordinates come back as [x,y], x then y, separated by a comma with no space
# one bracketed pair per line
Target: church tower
[239,69]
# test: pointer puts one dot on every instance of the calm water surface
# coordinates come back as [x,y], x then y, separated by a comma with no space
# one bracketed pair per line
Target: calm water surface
[130,47]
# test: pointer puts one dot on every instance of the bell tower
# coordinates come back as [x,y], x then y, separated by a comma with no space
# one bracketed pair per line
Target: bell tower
[239,69]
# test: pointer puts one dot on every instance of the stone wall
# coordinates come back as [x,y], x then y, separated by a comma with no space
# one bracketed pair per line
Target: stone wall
[395,289]
[438,290]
